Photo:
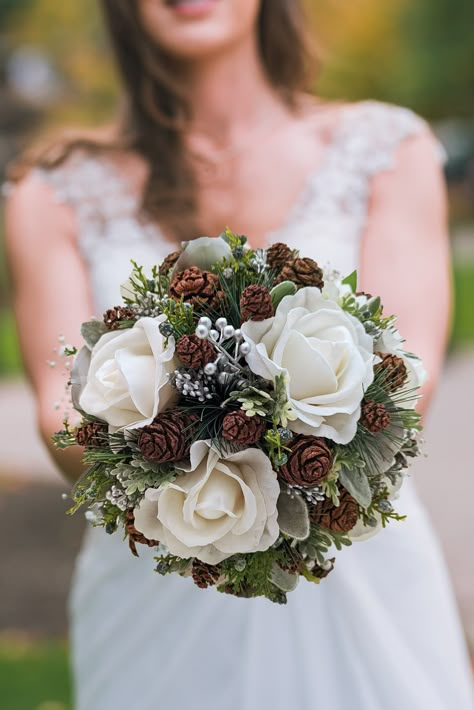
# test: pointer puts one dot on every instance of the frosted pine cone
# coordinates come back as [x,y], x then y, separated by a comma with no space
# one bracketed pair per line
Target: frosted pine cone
[167,438]
[204,575]
[302,272]
[200,288]
[278,255]
[114,317]
[340,519]
[255,303]
[169,262]
[93,434]
[374,417]
[394,371]
[241,429]
[194,352]
[135,536]
[309,461]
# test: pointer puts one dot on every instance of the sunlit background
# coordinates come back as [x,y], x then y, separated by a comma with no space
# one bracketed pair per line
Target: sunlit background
[55,71]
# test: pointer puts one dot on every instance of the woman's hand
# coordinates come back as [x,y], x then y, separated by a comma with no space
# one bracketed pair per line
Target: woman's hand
[405,252]
[51,298]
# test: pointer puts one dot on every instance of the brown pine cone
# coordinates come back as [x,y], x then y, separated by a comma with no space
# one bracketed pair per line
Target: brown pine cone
[395,372]
[92,434]
[241,429]
[194,352]
[200,288]
[204,575]
[374,417]
[135,536]
[114,317]
[169,262]
[302,272]
[322,572]
[309,461]
[168,437]
[278,255]
[255,303]
[339,519]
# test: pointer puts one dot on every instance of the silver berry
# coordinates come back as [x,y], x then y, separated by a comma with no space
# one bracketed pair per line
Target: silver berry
[228,331]
[210,369]
[202,332]
[206,322]
[244,349]
[221,323]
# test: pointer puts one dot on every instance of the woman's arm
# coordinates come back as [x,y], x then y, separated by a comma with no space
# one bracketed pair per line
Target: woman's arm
[405,252]
[51,298]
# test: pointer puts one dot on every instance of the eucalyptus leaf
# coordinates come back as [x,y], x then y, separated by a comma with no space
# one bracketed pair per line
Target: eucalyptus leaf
[79,373]
[351,281]
[373,304]
[284,580]
[356,482]
[92,331]
[293,517]
[278,293]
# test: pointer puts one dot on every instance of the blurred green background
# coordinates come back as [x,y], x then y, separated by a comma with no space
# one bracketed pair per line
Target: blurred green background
[55,70]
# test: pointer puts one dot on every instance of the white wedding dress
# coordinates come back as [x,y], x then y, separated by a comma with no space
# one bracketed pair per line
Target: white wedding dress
[380,633]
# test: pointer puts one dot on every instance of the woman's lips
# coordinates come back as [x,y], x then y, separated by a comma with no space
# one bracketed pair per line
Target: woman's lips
[191,8]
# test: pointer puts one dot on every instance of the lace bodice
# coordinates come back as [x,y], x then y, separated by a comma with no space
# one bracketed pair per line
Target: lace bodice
[326,222]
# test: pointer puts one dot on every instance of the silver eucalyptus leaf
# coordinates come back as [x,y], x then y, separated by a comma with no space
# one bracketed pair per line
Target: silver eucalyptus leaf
[357,483]
[293,517]
[92,331]
[278,293]
[284,580]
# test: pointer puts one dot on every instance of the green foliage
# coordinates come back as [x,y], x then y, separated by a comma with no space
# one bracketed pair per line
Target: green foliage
[381,509]
[34,675]
[319,542]
[251,575]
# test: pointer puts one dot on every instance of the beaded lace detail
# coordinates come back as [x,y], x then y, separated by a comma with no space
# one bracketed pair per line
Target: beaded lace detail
[364,144]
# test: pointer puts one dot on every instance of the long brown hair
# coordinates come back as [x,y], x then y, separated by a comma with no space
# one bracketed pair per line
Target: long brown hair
[157,109]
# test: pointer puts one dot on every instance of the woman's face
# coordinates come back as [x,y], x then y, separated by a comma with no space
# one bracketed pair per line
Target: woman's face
[193,29]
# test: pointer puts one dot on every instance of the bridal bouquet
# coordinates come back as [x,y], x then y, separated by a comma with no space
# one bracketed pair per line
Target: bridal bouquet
[243,413]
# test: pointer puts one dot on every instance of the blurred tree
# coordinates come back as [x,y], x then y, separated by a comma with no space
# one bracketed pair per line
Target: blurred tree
[438,65]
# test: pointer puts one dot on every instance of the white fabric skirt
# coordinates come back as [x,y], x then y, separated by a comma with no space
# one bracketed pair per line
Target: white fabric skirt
[380,633]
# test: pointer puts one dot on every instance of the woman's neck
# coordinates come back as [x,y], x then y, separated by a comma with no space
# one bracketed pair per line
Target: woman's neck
[231,94]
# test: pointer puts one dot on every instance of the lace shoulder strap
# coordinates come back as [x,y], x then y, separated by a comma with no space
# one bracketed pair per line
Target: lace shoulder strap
[93,188]
[370,134]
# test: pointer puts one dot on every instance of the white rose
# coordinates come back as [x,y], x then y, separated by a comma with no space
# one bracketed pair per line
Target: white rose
[392,342]
[326,358]
[127,379]
[219,507]
[203,252]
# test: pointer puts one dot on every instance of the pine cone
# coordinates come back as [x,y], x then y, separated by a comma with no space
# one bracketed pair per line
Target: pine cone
[322,572]
[340,519]
[374,416]
[302,272]
[241,429]
[255,303]
[278,255]
[309,461]
[200,288]
[113,317]
[169,262]
[135,536]
[204,575]
[168,437]
[93,434]
[194,352]
[394,371]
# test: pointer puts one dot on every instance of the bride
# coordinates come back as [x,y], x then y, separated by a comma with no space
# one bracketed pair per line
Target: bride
[218,130]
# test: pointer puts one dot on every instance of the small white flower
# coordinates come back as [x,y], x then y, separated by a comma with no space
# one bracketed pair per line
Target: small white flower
[326,357]
[218,507]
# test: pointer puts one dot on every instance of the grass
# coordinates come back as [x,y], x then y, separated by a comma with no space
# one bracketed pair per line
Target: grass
[34,676]
[463,325]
